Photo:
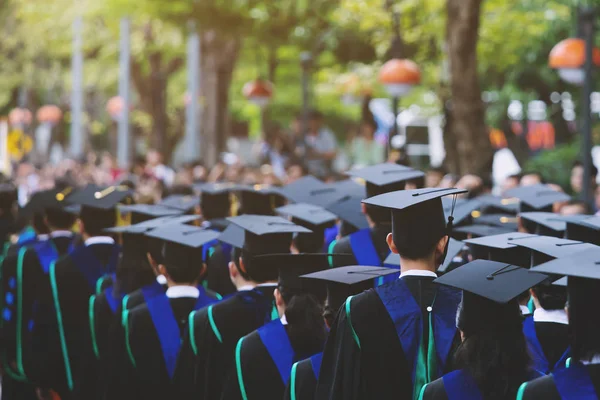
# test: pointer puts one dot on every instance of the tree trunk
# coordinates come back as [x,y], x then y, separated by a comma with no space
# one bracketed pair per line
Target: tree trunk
[465,126]
[218,56]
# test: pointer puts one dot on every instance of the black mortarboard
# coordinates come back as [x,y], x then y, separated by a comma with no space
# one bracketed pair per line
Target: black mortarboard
[101,198]
[233,235]
[144,212]
[343,282]
[454,247]
[497,205]
[154,223]
[496,281]
[293,266]
[182,202]
[539,197]
[506,221]
[46,199]
[418,217]
[311,216]
[583,227]
[499,248]
[183,243]
[260,199]
[349,187]
[348,209]
[543,223]
[546,248]
[385,177]
[582,265]
[267,234]
[308,189]
[464,210]
[215,199]
[477,231]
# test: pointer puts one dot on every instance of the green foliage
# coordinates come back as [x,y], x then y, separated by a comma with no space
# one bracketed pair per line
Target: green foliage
[555,165]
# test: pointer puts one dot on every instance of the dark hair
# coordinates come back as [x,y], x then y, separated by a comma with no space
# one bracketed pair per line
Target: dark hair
[134,270]
[536,173]
[593,168]
[309,242]
[494,350]
[515,176]
[584,323]
[185,269]
[60,219]
[96,220]
[39,225]
[306,327]
[551,297]
[258,270]
[178,189]
[378,215]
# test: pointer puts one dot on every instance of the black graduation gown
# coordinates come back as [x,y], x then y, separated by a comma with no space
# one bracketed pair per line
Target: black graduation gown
[378,369]
[554,339]
[578,381]
[71,294]
[256,373]
[217,277]
[378,236]
[207,354]
[303,380]
[142,369]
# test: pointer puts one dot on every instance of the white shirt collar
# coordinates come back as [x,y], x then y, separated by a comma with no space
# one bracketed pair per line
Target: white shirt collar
[161,279]
[556,316]
[594,360]
[61,233]
[175,292]
[245,287]
[418,272]
[283,320]
[99,240]
[524,309]
[42,236]
[266,284]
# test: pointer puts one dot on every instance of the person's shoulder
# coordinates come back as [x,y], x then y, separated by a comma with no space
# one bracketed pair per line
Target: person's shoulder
[540,388]
[342,245]
[434,391]
[362,306]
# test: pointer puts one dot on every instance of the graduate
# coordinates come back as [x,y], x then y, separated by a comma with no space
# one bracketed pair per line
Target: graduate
[264,358]
[341,283]
[8,198]
[581,378]
[382,343]
[208,352]
[80,274]
[369,246]
[154,330]
[492,360]
[315,218]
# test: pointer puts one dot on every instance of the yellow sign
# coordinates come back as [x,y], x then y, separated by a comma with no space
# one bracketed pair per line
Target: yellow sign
[19,144]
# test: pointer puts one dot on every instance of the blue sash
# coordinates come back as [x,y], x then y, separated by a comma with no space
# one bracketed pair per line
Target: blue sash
[27,236]
[277,343]
[89,266]
[460,385]
[330,236]
[315,362]
[406,315]
[112,301]
[365,253]
[167,327]
[151,290]
[540,362]
[46,253]
[574,383]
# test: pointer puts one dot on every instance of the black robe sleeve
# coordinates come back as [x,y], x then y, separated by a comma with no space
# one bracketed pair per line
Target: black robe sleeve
[342,246]
[541,388]
[303,383]
[435,391]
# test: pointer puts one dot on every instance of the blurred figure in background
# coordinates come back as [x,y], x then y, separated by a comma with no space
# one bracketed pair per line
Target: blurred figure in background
[532,178]
[434,176]
[321,146]
[364,149]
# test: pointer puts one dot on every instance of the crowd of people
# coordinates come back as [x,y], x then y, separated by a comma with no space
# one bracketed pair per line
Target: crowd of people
[233,283]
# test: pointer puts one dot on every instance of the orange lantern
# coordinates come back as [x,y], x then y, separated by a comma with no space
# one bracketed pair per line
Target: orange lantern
[49,114]
[114,107]
[568,57]
[399,76]
[258,92]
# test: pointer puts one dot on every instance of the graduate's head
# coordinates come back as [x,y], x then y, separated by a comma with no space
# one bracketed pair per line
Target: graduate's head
[93,221]
[57,218]
[312,217]
[584,320]
[493,349]
[134,270]
[182,252]
[550,297]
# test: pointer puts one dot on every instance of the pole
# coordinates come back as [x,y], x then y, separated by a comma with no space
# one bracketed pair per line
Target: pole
[123,141]
[305,60]
[77,141]
[193,89]
[587,25]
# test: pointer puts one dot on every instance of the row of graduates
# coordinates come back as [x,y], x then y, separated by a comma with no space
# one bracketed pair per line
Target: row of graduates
[116,348]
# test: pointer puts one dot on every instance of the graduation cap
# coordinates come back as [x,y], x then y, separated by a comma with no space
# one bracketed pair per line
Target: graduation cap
[45,200]
[104,199]
[260,199]
[182,202]
[385,177]
[343,282]
[418,217]
[233,235]
[454,248]
[582,227]
[215,199]
[585,264]
[150,224]
[546,248]
[348,209]
[539,197]
[267,234]
[498,205]
[500,248]
[496,281]
[311,190]
[144,212]
[311,216]
[182,244]
[505,221]
[293,266]
[464,210]
[543,223]
[349,187]
[476,231]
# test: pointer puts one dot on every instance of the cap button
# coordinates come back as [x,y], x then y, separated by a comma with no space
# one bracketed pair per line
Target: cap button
[429,309]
